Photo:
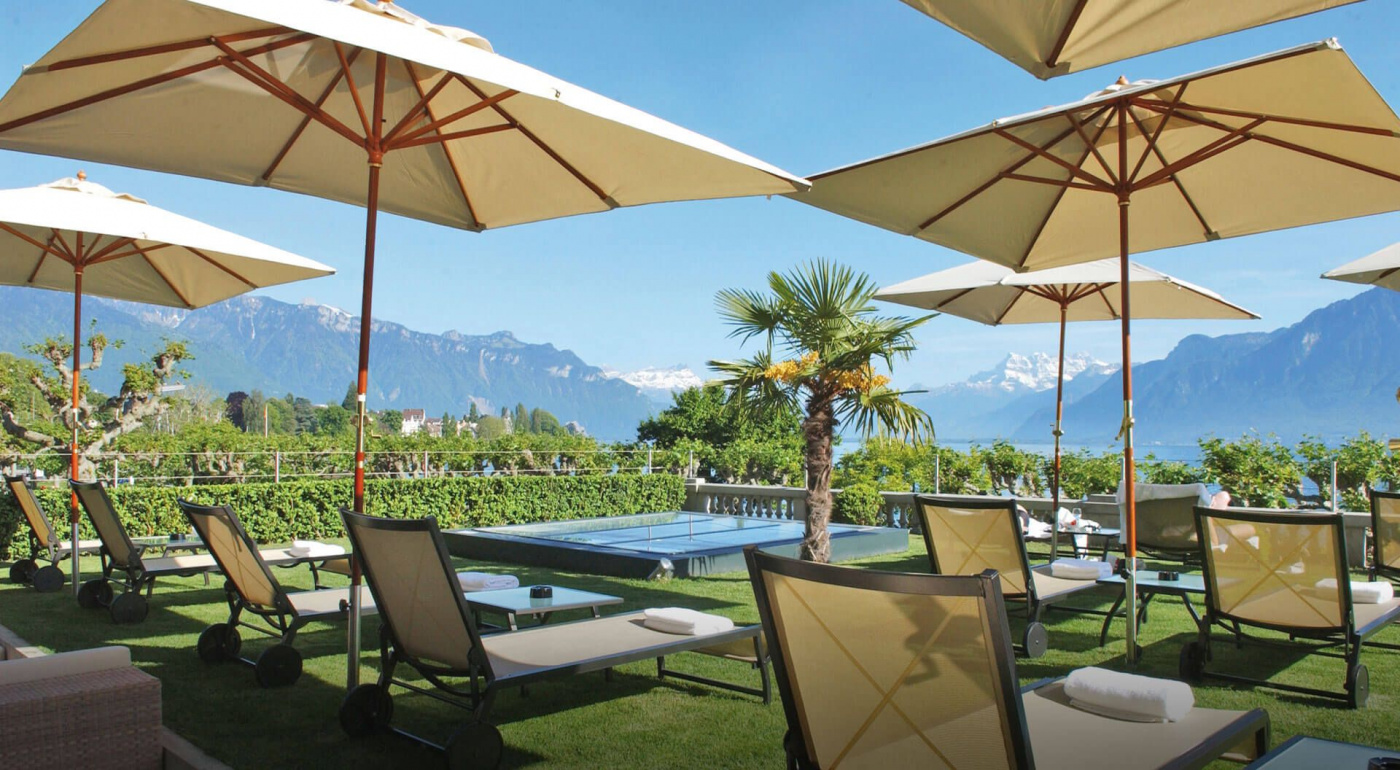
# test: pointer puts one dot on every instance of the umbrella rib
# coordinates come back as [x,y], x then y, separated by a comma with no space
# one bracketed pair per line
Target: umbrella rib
[134,252]
[269,83]
[1180,188]
[354,89]
[1000,175]
[1348,127]
[306,119]
[139,85]
[46,248]
[155,50]
[1104,296]
[442,138]
[1215,147]
[109,248]
[421,108]
[1092,145]
[1044,153]
[951,300]
[408,139]
[1161,126]
[1008,307]
[166,278]
[1050,210]
[426,102]
[1053,59]
[221,266]
[544,147]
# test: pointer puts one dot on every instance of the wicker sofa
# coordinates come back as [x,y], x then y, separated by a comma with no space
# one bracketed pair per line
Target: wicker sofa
[87,708]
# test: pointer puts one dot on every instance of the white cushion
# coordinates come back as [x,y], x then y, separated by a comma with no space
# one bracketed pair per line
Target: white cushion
[63,664]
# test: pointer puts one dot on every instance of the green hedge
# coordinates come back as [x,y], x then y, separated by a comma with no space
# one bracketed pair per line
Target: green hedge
[277,513]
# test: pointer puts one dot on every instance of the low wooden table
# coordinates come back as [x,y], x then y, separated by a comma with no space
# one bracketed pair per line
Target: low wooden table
[514,602]
[1303,753]
[1148,586]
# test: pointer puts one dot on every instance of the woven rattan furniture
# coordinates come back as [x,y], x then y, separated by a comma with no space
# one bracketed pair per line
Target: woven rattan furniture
[1290,576]
[887,670]
[44,543]
[84,709]
[966,535]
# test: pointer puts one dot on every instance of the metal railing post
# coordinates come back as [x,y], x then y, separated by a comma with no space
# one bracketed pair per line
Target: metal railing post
[277,467]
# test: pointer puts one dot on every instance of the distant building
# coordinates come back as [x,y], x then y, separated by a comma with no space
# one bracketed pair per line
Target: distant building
[433,425]
[575,428]
[413,420]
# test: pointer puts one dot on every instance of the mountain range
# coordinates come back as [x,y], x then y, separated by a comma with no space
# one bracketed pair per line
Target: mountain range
[1332,374]
[241,344]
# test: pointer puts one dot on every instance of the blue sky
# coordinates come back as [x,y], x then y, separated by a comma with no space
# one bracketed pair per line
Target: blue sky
[804,84]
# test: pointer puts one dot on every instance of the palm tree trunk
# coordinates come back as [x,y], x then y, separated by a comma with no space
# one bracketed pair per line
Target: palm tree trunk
[817,429]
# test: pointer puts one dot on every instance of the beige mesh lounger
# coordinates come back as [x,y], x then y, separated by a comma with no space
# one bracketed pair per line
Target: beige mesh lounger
[1291,576]
[428,626]
[124,565]
[1385,535]
[251,588]
[936,686]
[966,535]
[44,543]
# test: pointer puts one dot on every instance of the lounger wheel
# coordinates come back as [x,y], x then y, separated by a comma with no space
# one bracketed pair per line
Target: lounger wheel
[23,571]
[1036,641]
[1358,686]
[278,666]
[95,593]
[1191,666]
[130,607]
[218,643]
[475,745]
[48,579]
[367,709]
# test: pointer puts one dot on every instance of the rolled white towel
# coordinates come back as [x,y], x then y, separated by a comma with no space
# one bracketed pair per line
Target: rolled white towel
[314,548]
[1036,529]
[679,620]
[1363,592]
[1129,697]
[1081,569]
[484,581]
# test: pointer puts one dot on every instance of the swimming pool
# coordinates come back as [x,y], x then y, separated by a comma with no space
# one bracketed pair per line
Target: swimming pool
[678,543]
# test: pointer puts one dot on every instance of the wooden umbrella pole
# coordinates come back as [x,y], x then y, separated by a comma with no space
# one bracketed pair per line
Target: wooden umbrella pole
[1129,524]
[1059,431]
[73,454]
[373,142]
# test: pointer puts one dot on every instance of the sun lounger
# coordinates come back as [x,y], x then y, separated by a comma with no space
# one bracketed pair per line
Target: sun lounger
[428,626]
[124,565]
[1291,576]
[966,535]
[252,589]
[936,686]
[44,543]
[1385,535]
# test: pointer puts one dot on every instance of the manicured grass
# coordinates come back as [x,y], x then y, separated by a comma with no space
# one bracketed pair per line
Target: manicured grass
[634,720]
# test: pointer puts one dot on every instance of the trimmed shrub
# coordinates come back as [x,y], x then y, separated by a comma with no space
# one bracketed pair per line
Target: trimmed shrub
[277,513]
[859,503]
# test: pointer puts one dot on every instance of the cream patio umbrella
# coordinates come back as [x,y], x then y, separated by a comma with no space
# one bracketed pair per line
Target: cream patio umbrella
[1282,140]
[994,295]
[1048,38]
[1380,269]
[361,102]
[77,236]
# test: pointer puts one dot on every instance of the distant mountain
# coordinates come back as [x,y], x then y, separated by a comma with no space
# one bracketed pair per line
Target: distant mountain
[995,403]
[1332,374]
[256,343]
[657,383]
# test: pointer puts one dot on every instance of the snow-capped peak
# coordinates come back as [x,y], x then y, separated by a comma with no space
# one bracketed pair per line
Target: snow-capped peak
[655,379]
[1038,371]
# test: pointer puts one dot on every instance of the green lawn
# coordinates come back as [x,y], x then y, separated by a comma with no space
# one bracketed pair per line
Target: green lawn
[632,721]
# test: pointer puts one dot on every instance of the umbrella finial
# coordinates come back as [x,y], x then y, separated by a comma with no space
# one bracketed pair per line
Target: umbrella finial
[82,175]
[1122,80]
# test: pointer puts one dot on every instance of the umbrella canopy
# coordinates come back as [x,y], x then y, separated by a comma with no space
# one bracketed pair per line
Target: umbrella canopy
[1055,37]
[1381,269]
[991,294]
[361,102]
[76,236]
[1282,140]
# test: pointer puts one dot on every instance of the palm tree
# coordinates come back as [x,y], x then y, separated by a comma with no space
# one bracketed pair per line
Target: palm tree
[820,315]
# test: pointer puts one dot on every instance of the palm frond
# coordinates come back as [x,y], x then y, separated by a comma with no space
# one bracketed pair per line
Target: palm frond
[886,410]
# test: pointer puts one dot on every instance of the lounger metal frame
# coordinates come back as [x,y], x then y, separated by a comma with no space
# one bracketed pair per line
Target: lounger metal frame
[367,708]
[1035,640]
[43,542]
[1316,641]
[986,587]
[276,666]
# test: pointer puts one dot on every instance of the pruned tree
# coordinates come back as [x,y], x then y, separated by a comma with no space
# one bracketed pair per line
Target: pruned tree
[100,419]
